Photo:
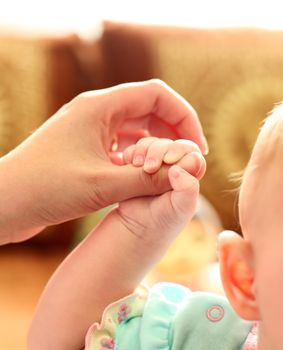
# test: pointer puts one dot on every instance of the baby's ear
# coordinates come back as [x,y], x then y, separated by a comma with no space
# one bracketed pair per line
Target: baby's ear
[237,273]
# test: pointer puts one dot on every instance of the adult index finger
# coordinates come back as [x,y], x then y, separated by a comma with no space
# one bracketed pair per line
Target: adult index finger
[156,98]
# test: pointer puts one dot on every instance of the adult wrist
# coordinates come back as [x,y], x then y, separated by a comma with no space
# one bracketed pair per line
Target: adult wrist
[15,204]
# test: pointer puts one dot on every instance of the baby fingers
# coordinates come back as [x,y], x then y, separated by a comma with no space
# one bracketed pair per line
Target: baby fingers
[194,163]
[178,149]
[185,192]
[152,152]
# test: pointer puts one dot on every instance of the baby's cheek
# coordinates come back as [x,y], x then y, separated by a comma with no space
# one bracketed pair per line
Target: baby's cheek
[269,288]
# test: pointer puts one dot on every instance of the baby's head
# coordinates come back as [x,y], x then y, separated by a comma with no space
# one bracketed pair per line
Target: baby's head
[252,267]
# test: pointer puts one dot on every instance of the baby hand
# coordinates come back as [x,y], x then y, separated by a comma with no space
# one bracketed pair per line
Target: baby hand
[152,152]
[164,215]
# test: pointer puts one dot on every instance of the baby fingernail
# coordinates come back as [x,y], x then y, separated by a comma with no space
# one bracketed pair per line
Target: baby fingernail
[170,157]
[138,160]
[150,164]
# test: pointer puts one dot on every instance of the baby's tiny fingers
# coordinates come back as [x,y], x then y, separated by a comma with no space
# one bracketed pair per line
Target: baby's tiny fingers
[141,150]
[185,191]
[178,149]
[155,155]
[194,163]
[128,154]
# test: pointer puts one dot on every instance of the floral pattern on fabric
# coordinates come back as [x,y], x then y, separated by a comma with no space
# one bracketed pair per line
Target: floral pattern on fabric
[155,320]
[101,336]
[124,311]
[107,343]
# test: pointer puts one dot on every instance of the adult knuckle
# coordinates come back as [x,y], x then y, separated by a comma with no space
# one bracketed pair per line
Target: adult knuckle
[96,194]
[158,84]
[156,183]
[187,144]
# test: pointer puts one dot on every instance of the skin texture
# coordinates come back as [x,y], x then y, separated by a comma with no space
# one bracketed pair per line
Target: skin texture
[252,267]
[117,254]
[66,169]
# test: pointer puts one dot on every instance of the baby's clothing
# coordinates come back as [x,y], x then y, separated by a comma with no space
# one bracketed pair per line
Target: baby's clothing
[171,317]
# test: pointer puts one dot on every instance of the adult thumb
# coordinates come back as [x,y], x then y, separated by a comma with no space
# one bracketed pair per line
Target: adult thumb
[119,183]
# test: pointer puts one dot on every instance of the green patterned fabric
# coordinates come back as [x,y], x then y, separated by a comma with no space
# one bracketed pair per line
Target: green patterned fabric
[171,317]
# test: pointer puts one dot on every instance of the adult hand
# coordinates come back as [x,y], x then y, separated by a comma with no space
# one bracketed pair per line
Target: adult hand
[63,170]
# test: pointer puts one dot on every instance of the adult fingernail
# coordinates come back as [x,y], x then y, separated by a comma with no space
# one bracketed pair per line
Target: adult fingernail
[206,147]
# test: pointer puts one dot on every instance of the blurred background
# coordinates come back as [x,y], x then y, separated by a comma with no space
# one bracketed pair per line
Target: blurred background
[224,57]
[85,15]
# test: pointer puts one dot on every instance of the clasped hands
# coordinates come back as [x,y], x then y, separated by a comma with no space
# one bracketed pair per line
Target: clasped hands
[71,165]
